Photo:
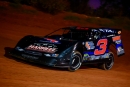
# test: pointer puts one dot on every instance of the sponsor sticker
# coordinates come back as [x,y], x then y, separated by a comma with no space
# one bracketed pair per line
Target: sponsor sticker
[119,32]
[106,30]
[118,42]
[89,45]
[52,40]
[41,48]
[116,38]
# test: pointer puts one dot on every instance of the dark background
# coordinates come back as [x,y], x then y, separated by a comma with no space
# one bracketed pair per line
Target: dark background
[100,8]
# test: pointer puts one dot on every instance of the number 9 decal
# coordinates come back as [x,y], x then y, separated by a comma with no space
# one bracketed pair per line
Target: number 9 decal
[102,43]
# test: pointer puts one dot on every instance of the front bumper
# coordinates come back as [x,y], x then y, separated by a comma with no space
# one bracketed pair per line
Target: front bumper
[49,61]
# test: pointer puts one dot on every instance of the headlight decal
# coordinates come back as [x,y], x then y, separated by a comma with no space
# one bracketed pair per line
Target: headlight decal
[19,48]
[51,55]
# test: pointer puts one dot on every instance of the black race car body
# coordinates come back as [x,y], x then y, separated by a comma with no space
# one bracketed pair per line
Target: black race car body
[69,47]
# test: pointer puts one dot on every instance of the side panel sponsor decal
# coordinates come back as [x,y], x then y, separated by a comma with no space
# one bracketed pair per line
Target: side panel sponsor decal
[94,57]
[99,49]
[42,48]
[89,45]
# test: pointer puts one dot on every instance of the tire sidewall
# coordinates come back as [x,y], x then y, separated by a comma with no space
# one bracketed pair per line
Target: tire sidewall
[106,66]
[76,56]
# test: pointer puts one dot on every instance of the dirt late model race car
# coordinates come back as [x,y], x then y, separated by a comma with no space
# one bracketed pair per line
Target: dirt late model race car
[70,47]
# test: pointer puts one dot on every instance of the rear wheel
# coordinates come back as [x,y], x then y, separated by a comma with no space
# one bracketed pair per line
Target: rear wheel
[108,65]
[75,61]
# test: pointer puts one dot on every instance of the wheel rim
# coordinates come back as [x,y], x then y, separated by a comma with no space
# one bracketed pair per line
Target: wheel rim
[75,61]
[110,63]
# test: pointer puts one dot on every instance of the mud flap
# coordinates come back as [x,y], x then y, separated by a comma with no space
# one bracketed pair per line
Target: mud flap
[119,46]
[120,49]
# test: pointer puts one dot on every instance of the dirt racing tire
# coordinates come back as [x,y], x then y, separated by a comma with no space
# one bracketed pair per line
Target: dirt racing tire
[108,65]
[75,62]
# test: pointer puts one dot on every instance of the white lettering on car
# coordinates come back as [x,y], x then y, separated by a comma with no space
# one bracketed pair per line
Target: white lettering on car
[41,48]
[106,30]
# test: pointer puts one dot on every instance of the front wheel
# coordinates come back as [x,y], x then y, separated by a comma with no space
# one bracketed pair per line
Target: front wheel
[75,62]
[108,65]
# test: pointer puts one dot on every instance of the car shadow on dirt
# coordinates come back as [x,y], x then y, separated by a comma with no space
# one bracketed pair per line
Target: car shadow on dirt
[8,49]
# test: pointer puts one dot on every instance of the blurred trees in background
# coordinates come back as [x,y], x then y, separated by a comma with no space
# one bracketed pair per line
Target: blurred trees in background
[52,6]
[112,8]
[107,9]
[49,6]
[79,6]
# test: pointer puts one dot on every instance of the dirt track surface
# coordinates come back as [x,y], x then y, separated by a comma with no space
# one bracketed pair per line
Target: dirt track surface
[15,73]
